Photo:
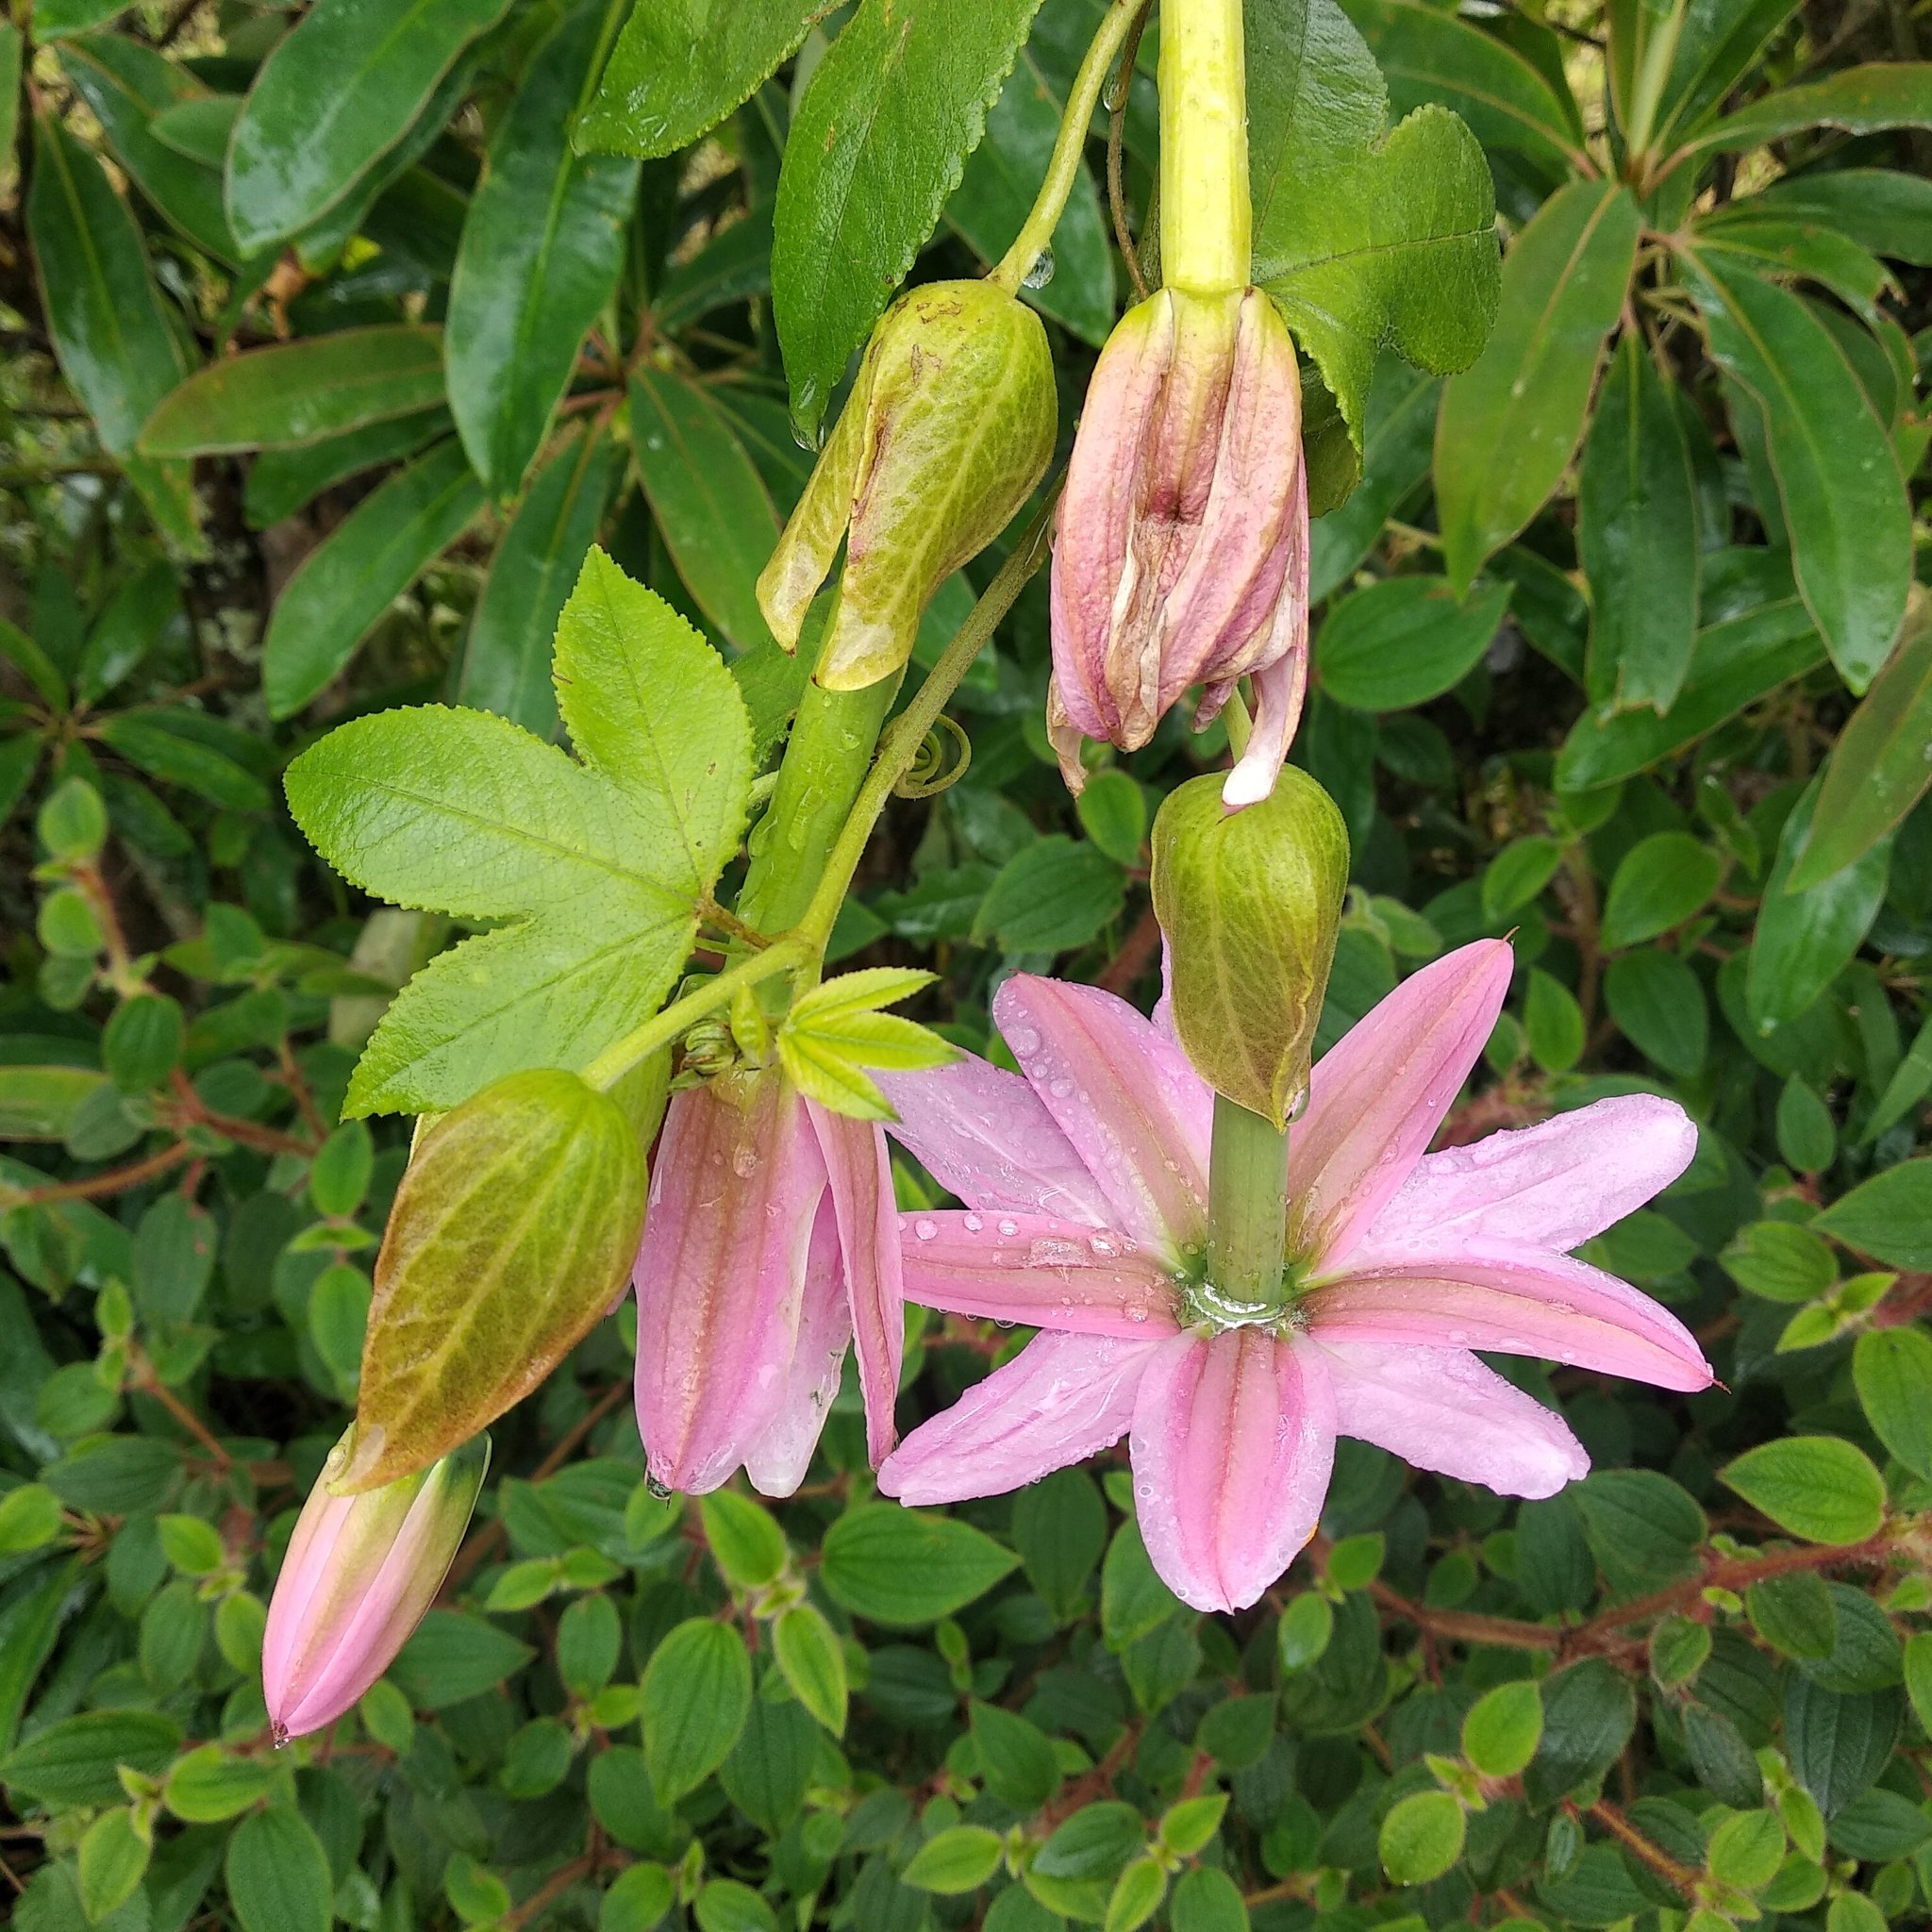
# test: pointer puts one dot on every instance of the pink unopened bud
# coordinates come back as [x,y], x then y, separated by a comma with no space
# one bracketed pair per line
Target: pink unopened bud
[1182,554]
[359,1575]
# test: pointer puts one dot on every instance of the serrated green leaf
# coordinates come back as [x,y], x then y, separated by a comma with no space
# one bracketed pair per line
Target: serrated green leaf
[601,861]
[1367,240]
[1819,1488]
[680,66]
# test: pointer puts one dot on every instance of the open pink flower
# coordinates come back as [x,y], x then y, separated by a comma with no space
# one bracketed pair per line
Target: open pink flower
[769,1245]
[1086,1186]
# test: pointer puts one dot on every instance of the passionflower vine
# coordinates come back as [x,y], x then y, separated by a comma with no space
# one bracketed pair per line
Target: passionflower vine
[1181,556]
[1086,1192]
[358,1574]
[768,1246]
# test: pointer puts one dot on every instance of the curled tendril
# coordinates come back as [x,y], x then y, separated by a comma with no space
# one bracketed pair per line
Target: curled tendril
[932,771]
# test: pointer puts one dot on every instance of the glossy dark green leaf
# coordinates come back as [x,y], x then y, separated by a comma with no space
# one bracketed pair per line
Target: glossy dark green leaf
[1860,100]
[297,393]
[1399,428]
[1718,42]
[733,266]
[1660,1004]
[695,1696]
[366,562]
[680,66]
[897,1566]
[1637,537]
[116,345]
[281,481]
[1658,884]
[277,1873]
[1054,894]
[707,497]
[336,94]
[1879,767]
[996,192]
[1510,422]
[55,19]
[506,662]
[129,86]
[1805,938]
[1405,640]
[541,251]
[1880,209]
[198,125]
[876,147]
[1887,1218]
[1837,476]
[1735,663]
[453,1657]
[1426,55]
[1367,239]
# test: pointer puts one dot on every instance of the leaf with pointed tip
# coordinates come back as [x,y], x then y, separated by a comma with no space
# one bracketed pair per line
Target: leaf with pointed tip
[1838,475]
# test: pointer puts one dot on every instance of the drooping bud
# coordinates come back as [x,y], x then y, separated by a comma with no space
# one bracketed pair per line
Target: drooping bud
[1250,902]
[359,1575]
[514,1229]
[949,427]
[1182,552]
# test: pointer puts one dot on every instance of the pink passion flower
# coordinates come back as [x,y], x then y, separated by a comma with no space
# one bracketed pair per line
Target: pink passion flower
[769,1248]
[1085,1216]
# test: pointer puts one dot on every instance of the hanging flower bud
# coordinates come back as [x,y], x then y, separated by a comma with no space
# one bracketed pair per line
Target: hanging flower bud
[359,1575]
[947,431]
[1182,553]
[1249,903]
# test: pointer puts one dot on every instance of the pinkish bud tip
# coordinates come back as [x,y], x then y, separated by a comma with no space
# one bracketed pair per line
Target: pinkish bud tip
[359,1575]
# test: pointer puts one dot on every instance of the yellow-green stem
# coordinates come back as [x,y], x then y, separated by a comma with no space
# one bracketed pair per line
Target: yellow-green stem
[1247,1206]
[1205,211]
[907,732]
[1063,169]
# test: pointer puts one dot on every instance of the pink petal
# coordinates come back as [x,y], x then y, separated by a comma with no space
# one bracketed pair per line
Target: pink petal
[861,1176]
[1552,1185]
[1061,1399]
[984,1135]
[1516,1301]
[777,1461]
[1379,1094]
[1030,1268]
[1440,1408]
[734,1193]
[1234,1439]
[1279,688]
[1135,1112]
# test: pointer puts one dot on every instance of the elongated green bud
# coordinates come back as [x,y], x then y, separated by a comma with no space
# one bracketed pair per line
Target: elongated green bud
[513,1231]
[1250,902]
[949,427]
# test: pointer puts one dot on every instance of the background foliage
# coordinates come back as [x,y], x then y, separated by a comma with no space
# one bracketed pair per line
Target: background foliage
[1617,646]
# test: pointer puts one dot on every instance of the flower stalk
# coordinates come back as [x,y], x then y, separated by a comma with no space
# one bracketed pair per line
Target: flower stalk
[1205,211]
[1247,1209]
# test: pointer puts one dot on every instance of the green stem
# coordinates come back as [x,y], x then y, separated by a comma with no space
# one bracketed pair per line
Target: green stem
[1068,149]
[616,1060]
[901,744]
[1247,1204]
[1205,212]
[824,764]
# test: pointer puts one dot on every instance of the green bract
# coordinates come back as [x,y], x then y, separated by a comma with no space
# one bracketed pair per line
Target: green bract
[514,1227]
[1249,903]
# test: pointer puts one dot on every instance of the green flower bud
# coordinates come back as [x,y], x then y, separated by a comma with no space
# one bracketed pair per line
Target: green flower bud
[948,429]
[1250,902]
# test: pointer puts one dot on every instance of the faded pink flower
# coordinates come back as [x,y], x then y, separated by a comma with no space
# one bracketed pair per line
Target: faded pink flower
[1086,1186]
[768,1246]
[358,1574]
[1181,556]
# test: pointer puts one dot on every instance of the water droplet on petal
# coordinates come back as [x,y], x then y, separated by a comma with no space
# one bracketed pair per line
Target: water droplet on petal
[926,1230]
[1009,1228]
